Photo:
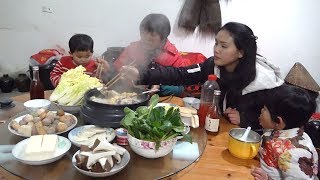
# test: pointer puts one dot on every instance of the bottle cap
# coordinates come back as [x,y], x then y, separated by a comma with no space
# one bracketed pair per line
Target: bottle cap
[35,68]
[212,77]
[216,92]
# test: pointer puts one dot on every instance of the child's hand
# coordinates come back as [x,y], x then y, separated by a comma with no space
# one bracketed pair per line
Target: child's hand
[102,67]
[233,115]
[259,174]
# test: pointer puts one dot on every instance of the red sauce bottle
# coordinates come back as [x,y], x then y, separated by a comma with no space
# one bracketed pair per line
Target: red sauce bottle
[36,86]
[214,114]
[207,97]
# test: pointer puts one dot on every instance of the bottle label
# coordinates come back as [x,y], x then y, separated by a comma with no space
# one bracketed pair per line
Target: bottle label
[212,124]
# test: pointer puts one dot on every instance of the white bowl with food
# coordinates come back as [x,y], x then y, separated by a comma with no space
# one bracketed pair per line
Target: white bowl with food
[39,150]
[191,102]
[148,149]
[32,106]
[87,134]
[101,159]
[42,122]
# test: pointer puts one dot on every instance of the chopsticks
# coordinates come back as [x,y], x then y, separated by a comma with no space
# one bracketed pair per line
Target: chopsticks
[116,77]
[100,69]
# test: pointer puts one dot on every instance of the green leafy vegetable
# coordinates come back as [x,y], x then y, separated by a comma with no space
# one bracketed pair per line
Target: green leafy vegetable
[154,124]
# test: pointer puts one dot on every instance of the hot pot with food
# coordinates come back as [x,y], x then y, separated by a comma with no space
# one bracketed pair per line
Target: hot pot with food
[106,109]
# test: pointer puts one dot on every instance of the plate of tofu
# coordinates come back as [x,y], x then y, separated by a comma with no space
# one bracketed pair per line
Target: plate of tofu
[87,134]
[45,122]
[41,149]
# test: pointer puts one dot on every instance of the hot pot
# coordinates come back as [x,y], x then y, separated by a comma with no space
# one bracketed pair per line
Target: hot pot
[246,149]
[107,115]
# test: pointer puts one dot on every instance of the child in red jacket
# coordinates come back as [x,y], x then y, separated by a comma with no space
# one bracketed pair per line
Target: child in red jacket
[81,50]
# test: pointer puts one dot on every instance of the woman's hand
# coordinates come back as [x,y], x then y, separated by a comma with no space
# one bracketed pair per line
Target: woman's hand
[259,174]
[130,73]
[233,115]
[154,87]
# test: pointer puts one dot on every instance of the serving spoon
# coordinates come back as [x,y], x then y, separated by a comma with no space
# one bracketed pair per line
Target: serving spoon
[245,134]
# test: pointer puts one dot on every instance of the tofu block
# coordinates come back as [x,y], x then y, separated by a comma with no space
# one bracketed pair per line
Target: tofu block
[49,143]
[41,147]
[34,144]
[195,121]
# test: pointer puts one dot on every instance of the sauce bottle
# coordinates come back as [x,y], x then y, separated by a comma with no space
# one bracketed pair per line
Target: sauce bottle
[214,114]
[206,97]
[36,86]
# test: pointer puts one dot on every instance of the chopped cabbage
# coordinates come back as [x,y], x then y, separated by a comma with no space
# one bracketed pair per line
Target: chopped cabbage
[73,85]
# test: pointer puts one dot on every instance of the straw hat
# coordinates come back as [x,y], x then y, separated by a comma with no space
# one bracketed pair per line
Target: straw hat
[299,76]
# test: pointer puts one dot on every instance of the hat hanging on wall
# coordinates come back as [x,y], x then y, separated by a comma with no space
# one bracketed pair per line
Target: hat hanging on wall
[299,76]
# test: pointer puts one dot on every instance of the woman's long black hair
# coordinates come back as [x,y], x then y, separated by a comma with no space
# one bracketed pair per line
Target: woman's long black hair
[245,72]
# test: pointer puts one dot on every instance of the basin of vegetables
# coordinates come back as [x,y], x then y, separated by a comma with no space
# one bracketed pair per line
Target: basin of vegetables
[70,91]
[153,130]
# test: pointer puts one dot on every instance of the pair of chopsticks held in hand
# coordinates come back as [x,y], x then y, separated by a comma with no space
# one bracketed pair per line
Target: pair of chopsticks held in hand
[104,66]
[118,76]
[100,67]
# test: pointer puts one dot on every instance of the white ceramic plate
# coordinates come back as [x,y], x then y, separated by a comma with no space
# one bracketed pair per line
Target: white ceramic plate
[115,169]
[18,119]
[110,135]
[63,147]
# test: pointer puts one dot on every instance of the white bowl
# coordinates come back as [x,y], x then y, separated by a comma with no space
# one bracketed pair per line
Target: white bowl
[191,102]
[148,149]
[117,167]
[18,119]
[63,147]
[34,105]
[109,135]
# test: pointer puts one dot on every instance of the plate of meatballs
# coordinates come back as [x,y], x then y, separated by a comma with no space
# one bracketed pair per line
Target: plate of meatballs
[42,122]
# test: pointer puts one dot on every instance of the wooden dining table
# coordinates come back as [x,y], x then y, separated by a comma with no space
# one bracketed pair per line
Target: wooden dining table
[216,162]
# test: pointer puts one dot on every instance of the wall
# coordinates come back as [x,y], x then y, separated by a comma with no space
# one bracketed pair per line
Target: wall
[287,30]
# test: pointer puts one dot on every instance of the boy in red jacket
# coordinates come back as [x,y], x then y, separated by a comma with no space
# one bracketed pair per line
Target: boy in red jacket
[81,50]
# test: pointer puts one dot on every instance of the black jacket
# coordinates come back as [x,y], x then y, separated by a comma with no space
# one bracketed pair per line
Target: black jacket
[249,105]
